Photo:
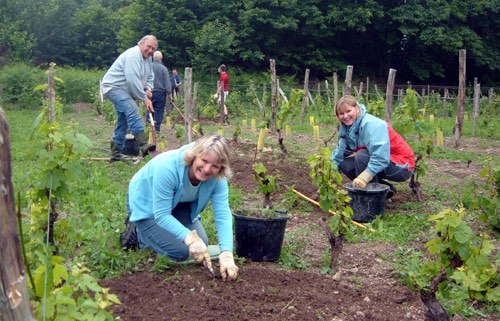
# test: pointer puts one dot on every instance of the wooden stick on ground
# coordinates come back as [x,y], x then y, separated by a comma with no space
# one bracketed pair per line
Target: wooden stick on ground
[330,211]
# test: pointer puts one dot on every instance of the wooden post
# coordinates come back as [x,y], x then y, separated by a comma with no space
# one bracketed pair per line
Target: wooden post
[306,97]
[280,91]
[188,123]
[445,97]
[51,93]
[101,98]
[274,94]
[477,97]
[335,89]
[359,94]
[400,95]
[490,98]
[388,94]
[263,106]
[367,89]
[422,99]
[376,91]
[327,88]
[461,96]
[348,81]
[14,296]
[194,102]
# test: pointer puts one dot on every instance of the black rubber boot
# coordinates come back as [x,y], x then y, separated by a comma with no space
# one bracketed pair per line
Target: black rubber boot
[116,154]
[128,239]
[144,146]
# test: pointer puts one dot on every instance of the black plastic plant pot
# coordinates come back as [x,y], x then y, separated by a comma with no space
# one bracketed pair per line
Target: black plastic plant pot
[366,203]
[259,238]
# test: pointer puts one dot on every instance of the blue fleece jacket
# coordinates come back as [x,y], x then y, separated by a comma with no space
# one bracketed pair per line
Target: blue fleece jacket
[157,188]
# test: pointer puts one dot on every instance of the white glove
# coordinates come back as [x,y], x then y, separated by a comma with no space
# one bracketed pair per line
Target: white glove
[227,267]
[198,250]
[362,180]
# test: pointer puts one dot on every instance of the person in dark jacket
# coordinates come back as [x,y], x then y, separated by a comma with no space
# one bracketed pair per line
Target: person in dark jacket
[369,149]
[161,91]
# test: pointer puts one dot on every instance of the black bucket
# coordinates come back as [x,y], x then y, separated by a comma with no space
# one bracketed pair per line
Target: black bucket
[367,202]
[260,239]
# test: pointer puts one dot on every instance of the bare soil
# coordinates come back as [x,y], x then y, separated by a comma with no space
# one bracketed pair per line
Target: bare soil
[365,288]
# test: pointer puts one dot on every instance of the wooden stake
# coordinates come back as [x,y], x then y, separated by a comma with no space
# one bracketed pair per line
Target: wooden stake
[477,97]
[388,94]
[274,94]
[188,73]
[305,98]
[461,97]
[14,295]
[348,81]
[328,93]
[335,89]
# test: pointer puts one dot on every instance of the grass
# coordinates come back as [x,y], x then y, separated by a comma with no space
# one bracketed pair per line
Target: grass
[92,219]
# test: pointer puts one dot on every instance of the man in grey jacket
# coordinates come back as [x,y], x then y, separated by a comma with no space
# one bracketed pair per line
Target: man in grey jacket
[130,78]
[161,90]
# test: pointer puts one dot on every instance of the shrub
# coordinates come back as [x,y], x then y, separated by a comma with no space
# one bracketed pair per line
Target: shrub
[18,82]
[78,85]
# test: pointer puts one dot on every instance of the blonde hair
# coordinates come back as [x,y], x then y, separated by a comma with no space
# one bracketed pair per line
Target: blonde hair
[347,100]
[212,143]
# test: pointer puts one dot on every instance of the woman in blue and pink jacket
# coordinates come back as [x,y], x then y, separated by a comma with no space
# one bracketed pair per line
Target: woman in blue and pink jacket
[369,149]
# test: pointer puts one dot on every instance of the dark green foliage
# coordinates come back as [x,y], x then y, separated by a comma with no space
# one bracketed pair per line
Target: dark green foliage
[18,82]
[420,39]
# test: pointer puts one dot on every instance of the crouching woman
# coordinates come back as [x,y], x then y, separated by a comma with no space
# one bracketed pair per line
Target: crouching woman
[369,149]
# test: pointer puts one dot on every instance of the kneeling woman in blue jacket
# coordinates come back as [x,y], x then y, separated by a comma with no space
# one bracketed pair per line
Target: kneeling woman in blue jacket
[167,195]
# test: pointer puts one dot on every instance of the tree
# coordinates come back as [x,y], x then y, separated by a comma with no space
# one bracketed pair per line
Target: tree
[212,44]
[95,29]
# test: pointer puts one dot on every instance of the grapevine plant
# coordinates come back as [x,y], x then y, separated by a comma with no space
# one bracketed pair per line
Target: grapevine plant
[266,184]
[483,196]
[61,290]
[409,120]
[332,198]
[287,111]
[463,267]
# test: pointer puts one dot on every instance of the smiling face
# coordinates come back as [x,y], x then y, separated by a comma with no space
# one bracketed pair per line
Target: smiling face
[204,167]
[347,114]
[148,47]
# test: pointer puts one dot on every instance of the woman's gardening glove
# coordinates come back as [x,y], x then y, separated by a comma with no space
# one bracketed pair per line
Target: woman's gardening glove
[198,250]
[227,267]
[362,180]
[215,96]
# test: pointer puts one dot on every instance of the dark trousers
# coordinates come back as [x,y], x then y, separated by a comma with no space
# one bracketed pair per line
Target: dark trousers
[352,166]
[159,100]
